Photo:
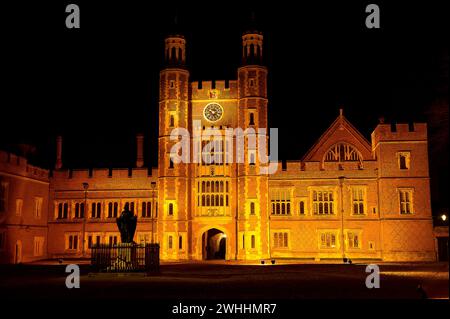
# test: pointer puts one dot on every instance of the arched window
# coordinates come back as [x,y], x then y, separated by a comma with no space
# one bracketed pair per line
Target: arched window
[207,201]
[221,200]
[253,241]
[66,210]
[170,209]
[221,186]
[110,210]
[252,208]
[203,200]
[203,187]
[116,209]
[60,210]
[252,119]
[217,200]
[77,210]
[172,121]
[302,208]
[217,186]
[82,210]
[144,209]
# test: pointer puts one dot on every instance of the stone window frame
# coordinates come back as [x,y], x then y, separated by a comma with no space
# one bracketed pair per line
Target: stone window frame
[359,201]
[357,232]
[335,232]
[407,156]
[406,190]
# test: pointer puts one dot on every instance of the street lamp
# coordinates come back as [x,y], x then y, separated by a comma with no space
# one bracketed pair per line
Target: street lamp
[153,185]
[85,187]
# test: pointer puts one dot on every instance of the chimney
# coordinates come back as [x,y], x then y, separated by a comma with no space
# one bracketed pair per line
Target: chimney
[58,164]
[139,150]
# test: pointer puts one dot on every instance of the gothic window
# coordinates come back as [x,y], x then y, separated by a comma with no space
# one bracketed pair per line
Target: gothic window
[323,202]
[180,242]
[403,160]
[172,121]
[116,209]
[358,201]
[252,119]
[96,210]
[342,152]
[170,209]
[253,239]
[406,201]
[252,208]
[144,209]
[302,208]
[281,201]
[328,239]
[79,210]
[353,239]
[280,240]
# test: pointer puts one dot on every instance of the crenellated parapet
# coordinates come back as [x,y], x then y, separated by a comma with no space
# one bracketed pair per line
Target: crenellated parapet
[18,165]
[220,90]
[118,178]
[314,169]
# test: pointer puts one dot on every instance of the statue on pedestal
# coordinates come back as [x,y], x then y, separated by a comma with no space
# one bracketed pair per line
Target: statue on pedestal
[127,225]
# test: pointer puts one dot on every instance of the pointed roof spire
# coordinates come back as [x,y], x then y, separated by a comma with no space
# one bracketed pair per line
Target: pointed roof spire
[341,112]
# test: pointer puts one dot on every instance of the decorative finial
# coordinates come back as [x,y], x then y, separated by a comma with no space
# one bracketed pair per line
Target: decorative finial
[381,119]
[341,112]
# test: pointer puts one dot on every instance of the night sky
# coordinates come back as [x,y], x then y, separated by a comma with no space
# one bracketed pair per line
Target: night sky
[98,86]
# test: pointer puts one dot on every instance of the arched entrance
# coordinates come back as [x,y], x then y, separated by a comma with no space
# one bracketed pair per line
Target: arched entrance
[214,243]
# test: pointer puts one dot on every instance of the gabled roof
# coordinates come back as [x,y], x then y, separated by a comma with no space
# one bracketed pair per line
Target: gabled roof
[341,130]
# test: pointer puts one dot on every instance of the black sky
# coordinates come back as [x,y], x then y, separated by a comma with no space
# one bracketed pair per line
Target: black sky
[98,86]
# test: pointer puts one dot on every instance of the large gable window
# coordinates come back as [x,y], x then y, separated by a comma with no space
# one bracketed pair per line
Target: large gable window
[342,152]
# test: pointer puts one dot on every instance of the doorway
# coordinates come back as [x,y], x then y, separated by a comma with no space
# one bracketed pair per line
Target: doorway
[214,243]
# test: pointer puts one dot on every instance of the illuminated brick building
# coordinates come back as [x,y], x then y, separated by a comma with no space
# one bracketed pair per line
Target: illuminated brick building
[346,197]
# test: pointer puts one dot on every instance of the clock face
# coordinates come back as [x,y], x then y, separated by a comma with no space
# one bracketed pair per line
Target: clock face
[213,112]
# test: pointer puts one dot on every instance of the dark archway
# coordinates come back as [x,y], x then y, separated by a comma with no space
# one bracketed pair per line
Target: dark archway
[214,243]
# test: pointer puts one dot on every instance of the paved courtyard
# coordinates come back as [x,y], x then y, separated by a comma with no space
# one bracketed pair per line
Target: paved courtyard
[224,280]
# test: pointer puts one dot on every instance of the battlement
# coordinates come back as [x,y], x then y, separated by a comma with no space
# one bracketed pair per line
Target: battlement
[221,89]
[14,164]
[301,169]
[99,174]
[399,132]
